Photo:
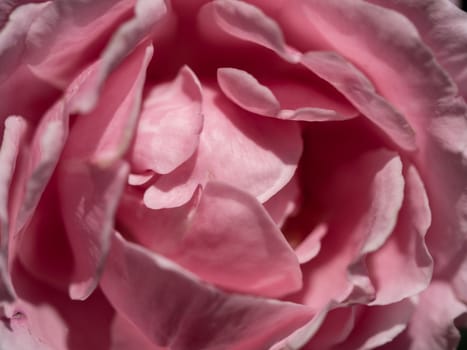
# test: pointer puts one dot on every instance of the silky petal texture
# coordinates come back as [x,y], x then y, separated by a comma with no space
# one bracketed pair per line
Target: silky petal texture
[196,316]
[170,124]
[51,319]
[284,203]
[247,22]
[13,36]
[432,324]
[402,267]
[264,151]
[378,325]
[405,73]
[443,28]
[339,271]
[92,166]
[356,87]
[125,336]
[13,140]
[148,13]
[225,237]
[247,92]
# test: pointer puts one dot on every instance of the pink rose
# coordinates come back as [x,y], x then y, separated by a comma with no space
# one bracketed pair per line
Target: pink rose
[226,174]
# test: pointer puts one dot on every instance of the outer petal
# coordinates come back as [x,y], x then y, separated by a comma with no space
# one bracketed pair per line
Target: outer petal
[15,130]
[405,73]
[443,28]
[92,174]
[51,319]
[264,152]
[170,124]
[432,324]
[196,316]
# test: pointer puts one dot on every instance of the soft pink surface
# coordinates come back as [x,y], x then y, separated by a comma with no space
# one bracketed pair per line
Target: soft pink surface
[181,175]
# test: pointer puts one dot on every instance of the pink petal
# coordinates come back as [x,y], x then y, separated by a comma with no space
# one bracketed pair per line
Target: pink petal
[220,235]
[432,324]
[264,151]
[358,89]
[247,92]
[13,139]
[443,28]
[423,93]
[283,203]
[147,14]
[374,186]
[170,124]
[247,22]
[378,325]
[192,315]
[91,173]
[13,36]
[51,319]
[311,245]
[403,265]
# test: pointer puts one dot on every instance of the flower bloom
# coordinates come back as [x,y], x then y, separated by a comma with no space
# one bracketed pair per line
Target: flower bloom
[224,174]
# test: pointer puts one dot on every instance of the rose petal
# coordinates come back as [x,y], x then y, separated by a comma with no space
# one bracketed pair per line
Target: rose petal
[443,28]
[247,92]
[170,124]
[196,316]
[405,72]
[265,152]
[283,203]
[247,22]
[13,138]
[374,185]
[378,325]
[92,166]
[13,36]
[432,324]
[358,89]
[147,14]
[403,265]
[51,319]
[220,236]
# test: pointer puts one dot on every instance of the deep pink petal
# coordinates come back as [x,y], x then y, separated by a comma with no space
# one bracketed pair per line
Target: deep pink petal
[442,26]
[358,89]
[92,174]
[405,72]
[246,91]
[403,266]
[265,152]
[170,124]
[373,186]
[196,315]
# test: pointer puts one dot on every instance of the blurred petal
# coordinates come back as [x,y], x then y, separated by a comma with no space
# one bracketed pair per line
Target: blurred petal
[193,314]
[92,174]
